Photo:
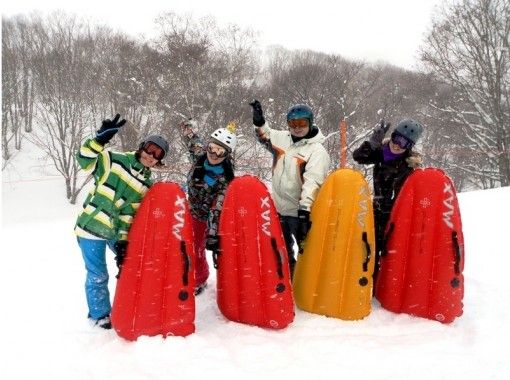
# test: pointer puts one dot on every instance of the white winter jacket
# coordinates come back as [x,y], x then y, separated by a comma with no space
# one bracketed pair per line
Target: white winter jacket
[299,169]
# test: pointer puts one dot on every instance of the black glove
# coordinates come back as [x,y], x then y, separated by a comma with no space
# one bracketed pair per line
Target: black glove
[120,247]
[108,129]
[378,133]
[304,225]
[258,115]
[212,243]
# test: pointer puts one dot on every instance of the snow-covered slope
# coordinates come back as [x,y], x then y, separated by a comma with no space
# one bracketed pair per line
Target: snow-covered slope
[45,333]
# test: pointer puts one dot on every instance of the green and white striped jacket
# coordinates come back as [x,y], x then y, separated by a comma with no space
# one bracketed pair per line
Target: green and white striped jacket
[121,181]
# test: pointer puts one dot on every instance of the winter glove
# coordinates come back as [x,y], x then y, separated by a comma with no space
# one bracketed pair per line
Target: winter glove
[120,247]
[187,127]
[258,115]
[108,129]
[378,133]
[304,225]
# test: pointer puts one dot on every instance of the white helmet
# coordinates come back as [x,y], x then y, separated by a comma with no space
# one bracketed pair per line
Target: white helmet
[226,137]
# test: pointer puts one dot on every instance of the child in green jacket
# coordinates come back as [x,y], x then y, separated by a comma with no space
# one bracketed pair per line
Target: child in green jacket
[121,180]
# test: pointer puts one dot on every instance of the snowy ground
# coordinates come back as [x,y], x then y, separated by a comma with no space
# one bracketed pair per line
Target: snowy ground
[45,334]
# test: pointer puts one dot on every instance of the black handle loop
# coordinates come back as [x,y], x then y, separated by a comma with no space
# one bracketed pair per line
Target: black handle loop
[386,239]
[187,263]
[367,251]
[456,252]
[215,255]
[278,255]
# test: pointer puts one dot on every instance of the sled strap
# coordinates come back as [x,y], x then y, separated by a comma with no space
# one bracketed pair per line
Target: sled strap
[456,252]
[186,263]
[278,255]
[215,255]
[386,239]
[367,251]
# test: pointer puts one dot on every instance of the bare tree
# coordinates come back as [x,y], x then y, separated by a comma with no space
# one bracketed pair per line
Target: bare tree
[63,71]
[468,48]
[18,92]
[8,86]
[205,73]
[127,71]
[335,88]
[81,75]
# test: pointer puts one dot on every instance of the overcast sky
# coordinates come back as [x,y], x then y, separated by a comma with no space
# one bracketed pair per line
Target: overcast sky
[371,30]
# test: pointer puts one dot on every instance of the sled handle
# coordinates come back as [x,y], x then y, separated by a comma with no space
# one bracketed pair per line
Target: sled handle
[367,250]
[215,255]
[386,239]
[456,252]
[278,255]
[186,263]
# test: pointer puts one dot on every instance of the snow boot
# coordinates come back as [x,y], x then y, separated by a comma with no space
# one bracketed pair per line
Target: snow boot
[103,322]
[200,288]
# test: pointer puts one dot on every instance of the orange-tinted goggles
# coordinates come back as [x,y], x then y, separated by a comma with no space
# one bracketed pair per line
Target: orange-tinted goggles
[298,123]
[154,150]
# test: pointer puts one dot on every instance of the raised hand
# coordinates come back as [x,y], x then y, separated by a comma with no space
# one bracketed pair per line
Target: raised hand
[378,133]
[187,128]
[108,129]
[258,114]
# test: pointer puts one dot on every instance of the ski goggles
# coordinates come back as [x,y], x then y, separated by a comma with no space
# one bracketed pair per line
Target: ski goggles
[154,150]
[402,141]
[217,150]
[298,123]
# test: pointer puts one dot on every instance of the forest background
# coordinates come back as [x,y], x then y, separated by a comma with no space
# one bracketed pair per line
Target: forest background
[62,75]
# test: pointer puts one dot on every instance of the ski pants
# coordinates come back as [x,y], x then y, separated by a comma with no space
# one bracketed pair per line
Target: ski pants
[381,218]
[289,228]
[200,260]
[96,281]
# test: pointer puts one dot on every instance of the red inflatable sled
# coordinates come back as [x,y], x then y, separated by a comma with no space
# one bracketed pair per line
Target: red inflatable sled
[253,283]
[154,294]
[423,259]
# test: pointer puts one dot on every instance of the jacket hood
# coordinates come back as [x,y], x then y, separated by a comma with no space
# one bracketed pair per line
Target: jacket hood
[414,160]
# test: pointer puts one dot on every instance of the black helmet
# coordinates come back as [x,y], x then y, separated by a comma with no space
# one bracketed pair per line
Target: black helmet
[158,140]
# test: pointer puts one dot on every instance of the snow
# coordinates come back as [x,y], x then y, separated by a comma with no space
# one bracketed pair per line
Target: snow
[45,333]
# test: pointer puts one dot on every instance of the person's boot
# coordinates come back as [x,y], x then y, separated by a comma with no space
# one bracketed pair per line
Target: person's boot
[103,322]
[200,288]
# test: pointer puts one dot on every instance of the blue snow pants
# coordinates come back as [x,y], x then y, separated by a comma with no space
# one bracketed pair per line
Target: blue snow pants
[96,282]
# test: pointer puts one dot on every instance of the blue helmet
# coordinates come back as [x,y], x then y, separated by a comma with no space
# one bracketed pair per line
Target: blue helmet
[410,129]
[300,111]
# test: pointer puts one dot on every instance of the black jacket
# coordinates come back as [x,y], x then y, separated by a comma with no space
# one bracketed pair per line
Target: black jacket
[388,176]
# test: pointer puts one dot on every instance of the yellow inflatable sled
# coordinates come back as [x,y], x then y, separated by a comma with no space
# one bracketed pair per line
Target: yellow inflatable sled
[333,275]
